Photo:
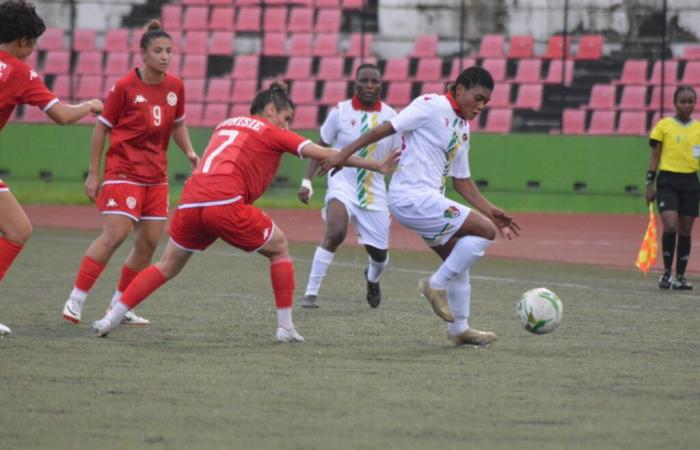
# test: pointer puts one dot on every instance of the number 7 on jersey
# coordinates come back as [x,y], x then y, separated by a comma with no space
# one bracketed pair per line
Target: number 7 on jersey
[231,136]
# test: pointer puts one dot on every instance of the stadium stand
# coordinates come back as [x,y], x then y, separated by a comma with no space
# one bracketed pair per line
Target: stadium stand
[299,68]
[429,69]
[499,121]
[491,46]
[521,47]
[425,46]
[528,71]
[331,68]
[218,90]
[634,71]
[590,47]
[555,47]
[574,121]
[529,96]
[602,122]
[632,123]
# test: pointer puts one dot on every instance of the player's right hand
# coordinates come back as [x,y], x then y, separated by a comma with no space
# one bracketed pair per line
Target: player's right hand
[96,106]
[92,187]
[304,195]
[651,195]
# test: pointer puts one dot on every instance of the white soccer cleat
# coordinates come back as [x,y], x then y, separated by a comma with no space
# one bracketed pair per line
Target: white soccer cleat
[101,328]
[288,335]
[72,310]
[130,318]
[4,330]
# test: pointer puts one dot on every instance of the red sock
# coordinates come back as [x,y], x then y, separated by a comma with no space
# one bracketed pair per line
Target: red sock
[88,273]
[282,275]
[128,275]
[8,252]
[147,281]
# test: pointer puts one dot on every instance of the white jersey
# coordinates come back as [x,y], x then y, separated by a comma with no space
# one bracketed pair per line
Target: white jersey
[435,146]
[361,187]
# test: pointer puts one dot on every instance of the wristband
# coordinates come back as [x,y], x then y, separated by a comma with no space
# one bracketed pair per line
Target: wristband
[306,183]
[651,176]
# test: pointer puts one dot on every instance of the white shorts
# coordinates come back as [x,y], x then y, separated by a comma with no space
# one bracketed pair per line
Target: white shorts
[371,227]
[433,216]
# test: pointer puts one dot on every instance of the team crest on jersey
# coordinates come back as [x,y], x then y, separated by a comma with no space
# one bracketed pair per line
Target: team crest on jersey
[139,99]
[172,98]
[131,202]
[451,212]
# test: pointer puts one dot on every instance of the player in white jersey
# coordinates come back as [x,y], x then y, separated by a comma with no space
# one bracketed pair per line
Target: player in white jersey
[355,195]
[435,135]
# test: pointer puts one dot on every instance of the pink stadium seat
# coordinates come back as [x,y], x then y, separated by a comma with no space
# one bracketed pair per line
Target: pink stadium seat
[194,66]
[555,47]
[244,90]
[521,47]
[590,47]
[306,117]
[193,114]
[331,68]
[353,4]
[528,71]
[196,18]
[399,93]
[218,90]
[633,98]
[222,43]
[303,92]
[457,68]
[301,20]
[326,44]
[433,87]
[61,86]
[89,63]
[222,2]
[222,18]
[109,83]
[89,86]
[602,122]
[425,46]
[32,61]
[194,89]
[34,115]
[500,97]
[328,20]
[275,44]
[117,40]
[497,68]
[499,121]
[554,73]
[691,53]
[670,73]
[214,113]
[327,4]
[474,124]
[602,97]
[529,96]
[275,19]
[196,42]
[691,75]
[632,122]
[333,92]
[194,2]
[301,44]
[57,62]
[84,39]
[574,121]
[171,17]
[655,100]
[298,68]
[52,39]
[429,69]
[396,69]
[491,46]
[248,19]
[356,45]
[240,109]
[358,61]
[175,64]
[245,67]
[240,3]
[634,71]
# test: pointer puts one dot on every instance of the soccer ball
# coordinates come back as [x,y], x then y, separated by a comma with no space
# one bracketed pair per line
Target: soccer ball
[540,311]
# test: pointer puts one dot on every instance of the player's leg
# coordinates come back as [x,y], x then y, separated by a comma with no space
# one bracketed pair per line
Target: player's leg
[668,201]
[372,229]
[336,218]
[687,212]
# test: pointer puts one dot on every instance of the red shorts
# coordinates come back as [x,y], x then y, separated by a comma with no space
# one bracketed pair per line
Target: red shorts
[136,201]
[3,187]
[243,226]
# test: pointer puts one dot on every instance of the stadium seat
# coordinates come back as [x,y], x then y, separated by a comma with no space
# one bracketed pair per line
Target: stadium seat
[298,68]
[222,18]
[32,61]
[301,20]
[89,86]
[574,121]
[248,19]
[218,90]
[275,19]
[497,68]
[171,17]
[554,73]
[356,49]
[303,92]
[491,46]
[109,82]
[433,87]
[275,44]
[244,90]
[499,121]
[334,92]
[84,39]
[328,20]
[117,40]
[691,74]
[52,39]
[634,71]
[555,47]
[196,18]
[691,53]
[194,2]
[633,98]
[529,96]
[590,47]
[353,4]
[655,100]
[194,89]
[521,47]
[327,4]
[196,42]
[222,43]
[429,69]
[398,94]
[240,3]
[301,44]
[457,67]
[358,61]
[61,86]
[214,113]
[57,62]
[500,97]
[602,122]
[425,46]
[34,115]
[528,71]
[326,44]
[245,67]
[89,63]
[602,97]
[193,114]
[306,117]
[670,73]
[396,69]
[632,123]
[331,68]
[240,109]
[175,64]
[474,124]
[194,66]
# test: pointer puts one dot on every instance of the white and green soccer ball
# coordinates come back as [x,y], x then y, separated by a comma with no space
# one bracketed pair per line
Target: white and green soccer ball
[540,311]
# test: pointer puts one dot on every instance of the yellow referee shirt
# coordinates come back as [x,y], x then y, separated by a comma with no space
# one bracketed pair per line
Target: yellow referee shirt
[680,144]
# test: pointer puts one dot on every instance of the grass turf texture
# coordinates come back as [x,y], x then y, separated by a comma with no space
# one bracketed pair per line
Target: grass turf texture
[620,372]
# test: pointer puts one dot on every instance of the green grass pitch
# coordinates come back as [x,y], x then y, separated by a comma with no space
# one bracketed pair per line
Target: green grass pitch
[620,372]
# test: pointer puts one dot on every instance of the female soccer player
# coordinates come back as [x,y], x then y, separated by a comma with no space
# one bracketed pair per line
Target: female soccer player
[143,109]
[238,164]
[435,133]
[675,149]
[354,194]
[20,28]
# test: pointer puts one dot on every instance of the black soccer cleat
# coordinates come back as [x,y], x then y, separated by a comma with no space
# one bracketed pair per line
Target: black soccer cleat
[681,284]
[374,294]
[665,280]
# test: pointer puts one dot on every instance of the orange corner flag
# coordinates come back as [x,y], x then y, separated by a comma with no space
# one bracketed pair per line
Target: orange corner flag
[647,252]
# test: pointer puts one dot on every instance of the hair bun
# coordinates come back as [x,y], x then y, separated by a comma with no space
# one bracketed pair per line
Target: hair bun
[152,25]
[278,85]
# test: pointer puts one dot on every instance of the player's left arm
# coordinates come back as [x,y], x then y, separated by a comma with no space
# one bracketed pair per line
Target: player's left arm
[182,138]
[388,165]
[471,193]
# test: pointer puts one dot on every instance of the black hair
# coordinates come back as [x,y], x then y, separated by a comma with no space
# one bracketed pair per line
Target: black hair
[367,66]
[683,88]
[19,20]
[154,30]
[275,94]
[473,76]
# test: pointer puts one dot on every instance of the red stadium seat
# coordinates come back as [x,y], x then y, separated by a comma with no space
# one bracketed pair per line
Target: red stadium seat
[529,96]
[691,75]
[171,16]
[528,71]
[331,68]
[521,47]
[633,98]
[117,63]
[554,73]
[633,123]
[196,42]
[244,90]
[275,19]
[89,86]
[61,86]
[655,100]
[499,121]
[240,109]
[301,44]
[222,43]
[89,63]
[248,19]
[275,44]
[691,53]
[214,113]
[306,117]
[356,49]
[301,20]
[500,97]
[602,122]
[353,4]
[245,67]
[194,66]
[670,73]
[326,44]
[222,18]
[425,46]
[399,93]
[32,61]
[194,89]
[84,39]
[396,69]
[429,69]
[193,114]
[196,18]
[52,39]
[574,121]
[34,115]
[108,84]
[194,2]
[590,47]
[602,97]
[634,71]
[491,46]
[474,124]
[334,92]
[497,68]
[433,87]
[328,21]
[457,67]
[555,47]
[176,64]
[218,90]
[298,68]
[303,92]
[327,4]
[57,62]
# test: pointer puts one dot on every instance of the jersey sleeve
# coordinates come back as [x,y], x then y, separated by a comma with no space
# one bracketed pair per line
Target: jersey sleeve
[460,165]
[414,115]
[285,141]
[329,129]
[180,109]
[113,106]
[33,91]
[659,131]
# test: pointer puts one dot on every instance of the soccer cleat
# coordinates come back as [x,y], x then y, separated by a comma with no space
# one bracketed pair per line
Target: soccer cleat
[4,330]
[132,319]
[665,280]
[309,301]
[374,294]
[288,335]
[101,328]
[437,299]
[473,337]
[681,284]
[72,310]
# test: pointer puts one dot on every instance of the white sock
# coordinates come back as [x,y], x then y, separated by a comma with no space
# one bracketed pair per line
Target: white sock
[466,252]
[115,314]
[459,298]
[322,259]
[115,298]
[78,295]
[375,269]
[284,318]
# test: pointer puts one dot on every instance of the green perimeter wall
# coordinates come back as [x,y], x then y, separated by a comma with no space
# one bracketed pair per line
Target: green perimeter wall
[607,165]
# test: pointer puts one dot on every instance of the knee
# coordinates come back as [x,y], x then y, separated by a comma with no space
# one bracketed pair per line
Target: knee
[333,239]
[490,232]
[21,234]
[379,255]
[146,247]
[113,239]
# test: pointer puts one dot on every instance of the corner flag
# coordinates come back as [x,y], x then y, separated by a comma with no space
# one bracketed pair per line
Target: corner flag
[647,252]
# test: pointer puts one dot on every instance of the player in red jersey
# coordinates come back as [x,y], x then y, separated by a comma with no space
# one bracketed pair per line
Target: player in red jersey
[142,111]
[238,164]
[20,28]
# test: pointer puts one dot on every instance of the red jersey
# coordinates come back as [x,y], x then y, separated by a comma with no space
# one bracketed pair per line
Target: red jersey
[20,84]
[141,117]
[240,161]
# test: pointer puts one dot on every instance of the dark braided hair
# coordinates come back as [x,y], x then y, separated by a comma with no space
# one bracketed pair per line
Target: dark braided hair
[154,30]
[473,76]
[683,88]
[275,94]
[19,20]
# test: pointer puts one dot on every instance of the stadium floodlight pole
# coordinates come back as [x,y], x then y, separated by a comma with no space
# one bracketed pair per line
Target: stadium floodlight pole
[73,17]
[664,12]
[564,55]
[362,33]
[462,12]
